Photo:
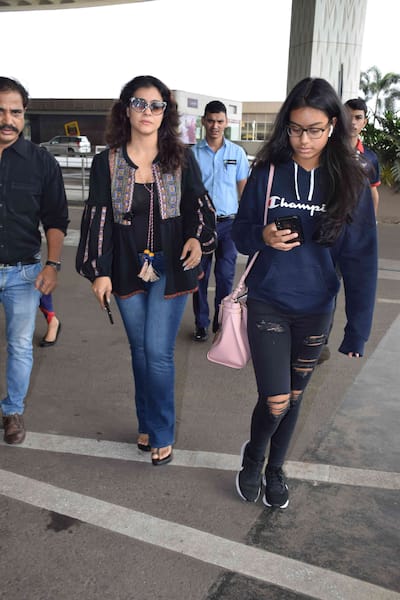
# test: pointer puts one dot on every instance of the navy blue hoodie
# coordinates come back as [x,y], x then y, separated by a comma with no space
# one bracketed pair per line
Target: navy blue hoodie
[304,280]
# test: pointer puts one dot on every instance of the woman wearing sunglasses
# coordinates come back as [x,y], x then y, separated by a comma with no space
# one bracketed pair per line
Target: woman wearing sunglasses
[146,223]
[292,285]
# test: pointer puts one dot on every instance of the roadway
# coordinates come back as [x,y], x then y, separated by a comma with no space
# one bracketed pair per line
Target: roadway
[84,515]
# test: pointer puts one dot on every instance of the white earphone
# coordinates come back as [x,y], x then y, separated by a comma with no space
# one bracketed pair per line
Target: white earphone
[330,130]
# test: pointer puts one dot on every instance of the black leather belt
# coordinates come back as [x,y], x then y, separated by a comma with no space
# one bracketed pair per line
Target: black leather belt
[16,263]
[225,218]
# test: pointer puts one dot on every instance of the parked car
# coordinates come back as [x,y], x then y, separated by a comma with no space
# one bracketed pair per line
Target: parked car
[70,145]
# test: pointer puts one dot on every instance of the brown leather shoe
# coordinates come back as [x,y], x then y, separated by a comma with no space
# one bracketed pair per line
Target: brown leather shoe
[14,429]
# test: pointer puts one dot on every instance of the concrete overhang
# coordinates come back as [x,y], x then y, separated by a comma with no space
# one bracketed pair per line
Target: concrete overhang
[14,5]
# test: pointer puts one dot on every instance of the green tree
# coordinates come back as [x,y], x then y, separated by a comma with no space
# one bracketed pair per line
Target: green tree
[384,140]
[395,170]
[380,91]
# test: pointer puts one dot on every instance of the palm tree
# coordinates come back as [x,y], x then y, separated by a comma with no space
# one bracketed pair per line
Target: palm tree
[381,89]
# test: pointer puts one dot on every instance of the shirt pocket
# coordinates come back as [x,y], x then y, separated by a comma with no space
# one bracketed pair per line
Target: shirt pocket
[25,197]
[29,186]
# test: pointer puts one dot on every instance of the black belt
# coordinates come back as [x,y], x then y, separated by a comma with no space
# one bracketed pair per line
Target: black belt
[16,263]
[225,218]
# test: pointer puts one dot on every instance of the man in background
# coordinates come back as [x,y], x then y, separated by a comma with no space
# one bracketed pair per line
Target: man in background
[31,192]
[224,167]
[358,113]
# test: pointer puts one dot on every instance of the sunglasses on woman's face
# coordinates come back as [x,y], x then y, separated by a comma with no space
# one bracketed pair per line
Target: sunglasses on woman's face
[139,105]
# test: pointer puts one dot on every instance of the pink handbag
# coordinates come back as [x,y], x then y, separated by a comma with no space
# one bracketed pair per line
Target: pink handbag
[230,346]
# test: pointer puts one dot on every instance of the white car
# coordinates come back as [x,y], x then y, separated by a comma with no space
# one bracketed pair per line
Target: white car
[69,145]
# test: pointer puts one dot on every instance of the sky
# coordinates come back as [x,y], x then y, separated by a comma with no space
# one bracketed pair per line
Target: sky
[228,49]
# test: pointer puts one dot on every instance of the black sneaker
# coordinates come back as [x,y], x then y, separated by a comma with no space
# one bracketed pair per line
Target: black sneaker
[249,478]
[276,490]
[201,334]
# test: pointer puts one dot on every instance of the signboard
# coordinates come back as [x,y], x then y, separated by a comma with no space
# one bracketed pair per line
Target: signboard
[72,128]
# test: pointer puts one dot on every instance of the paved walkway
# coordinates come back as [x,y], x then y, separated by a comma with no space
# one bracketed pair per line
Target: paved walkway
[83,514]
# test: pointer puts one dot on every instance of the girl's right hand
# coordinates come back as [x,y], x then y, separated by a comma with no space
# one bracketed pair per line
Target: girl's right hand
[101,287]
[280,239]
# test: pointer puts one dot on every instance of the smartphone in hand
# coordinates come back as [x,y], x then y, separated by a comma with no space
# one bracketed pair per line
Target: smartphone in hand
[293,223]
[108,309]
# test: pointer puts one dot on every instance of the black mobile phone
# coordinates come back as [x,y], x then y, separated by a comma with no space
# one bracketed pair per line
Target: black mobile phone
[293,223]
[108,309]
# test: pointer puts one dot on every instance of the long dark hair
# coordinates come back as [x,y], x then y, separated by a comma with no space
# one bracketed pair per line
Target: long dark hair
[342,175]
[118,130]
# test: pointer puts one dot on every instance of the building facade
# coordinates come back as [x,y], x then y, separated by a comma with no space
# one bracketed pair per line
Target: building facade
[326,39]
[47,118]
[191,108]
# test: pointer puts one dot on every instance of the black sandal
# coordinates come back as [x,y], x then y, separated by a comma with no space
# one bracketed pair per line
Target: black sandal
[141,446]
[155,452]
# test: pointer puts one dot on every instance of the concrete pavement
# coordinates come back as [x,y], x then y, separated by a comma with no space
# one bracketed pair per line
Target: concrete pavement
[84,515]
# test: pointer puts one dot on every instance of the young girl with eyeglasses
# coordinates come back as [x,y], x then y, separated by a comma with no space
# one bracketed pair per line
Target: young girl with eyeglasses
[146,223]
[292,285]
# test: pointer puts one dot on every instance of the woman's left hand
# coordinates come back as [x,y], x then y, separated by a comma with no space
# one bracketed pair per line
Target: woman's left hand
[191,254]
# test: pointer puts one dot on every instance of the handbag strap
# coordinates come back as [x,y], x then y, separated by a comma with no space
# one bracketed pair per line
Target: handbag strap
[239,290]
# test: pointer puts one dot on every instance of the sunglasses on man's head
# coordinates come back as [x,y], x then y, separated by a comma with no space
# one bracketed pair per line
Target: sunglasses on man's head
[157,107]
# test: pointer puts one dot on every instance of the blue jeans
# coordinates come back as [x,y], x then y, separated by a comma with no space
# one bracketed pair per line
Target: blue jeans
[224,271]
[151,323]
[20,299]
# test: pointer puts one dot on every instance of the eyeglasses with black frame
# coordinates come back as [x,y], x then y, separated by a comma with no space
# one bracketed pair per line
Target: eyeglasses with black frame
[315,133]
[139,105]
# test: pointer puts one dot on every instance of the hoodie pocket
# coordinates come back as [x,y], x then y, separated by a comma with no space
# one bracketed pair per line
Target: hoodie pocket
[293,284]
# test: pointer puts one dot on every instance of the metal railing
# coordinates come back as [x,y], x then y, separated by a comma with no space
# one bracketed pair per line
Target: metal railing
[75,170]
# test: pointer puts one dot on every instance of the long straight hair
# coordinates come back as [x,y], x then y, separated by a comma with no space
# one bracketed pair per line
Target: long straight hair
[118,131]
[343,177]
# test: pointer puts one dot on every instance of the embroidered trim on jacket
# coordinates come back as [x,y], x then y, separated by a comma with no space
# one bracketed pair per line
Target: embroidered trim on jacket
[123,184]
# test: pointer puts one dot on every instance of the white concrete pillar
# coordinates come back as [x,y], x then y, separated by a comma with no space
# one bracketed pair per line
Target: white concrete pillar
[326,41]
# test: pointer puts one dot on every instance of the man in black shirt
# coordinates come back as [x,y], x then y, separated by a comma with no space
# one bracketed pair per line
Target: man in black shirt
[31,193]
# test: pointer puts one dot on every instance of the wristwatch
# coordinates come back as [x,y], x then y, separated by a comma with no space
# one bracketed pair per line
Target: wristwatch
[54,264]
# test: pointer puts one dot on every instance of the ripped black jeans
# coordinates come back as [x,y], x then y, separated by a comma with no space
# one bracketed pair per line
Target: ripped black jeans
[285,349]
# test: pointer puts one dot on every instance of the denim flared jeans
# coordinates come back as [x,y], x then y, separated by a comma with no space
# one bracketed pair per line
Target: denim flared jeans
[20,299]
[152,323]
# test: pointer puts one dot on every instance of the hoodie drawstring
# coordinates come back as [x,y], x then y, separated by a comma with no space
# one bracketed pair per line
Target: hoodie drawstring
[296,186]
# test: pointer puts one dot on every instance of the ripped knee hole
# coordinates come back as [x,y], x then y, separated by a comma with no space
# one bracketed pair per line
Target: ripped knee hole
[278,405]
[315,340]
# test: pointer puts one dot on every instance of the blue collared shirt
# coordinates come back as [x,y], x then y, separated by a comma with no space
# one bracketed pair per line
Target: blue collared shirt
[220,172]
